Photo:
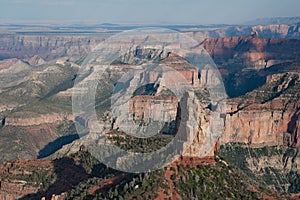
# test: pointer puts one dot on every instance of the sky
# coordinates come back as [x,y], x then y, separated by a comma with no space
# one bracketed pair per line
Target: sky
[147,11]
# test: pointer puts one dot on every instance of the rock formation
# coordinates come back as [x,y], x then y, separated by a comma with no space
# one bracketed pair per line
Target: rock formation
[251,52]
[268,115]
[52,46]
[20,121]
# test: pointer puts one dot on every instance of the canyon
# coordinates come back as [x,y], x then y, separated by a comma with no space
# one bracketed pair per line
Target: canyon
[50,46]
[261,76]
[239,57]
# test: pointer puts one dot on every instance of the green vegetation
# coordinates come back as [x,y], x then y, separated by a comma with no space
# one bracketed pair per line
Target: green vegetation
[81,176]
[272,172]
[148,89]
[213,182]
[287,86]
[36,176]
[41,85]
[140,145]
[217,181]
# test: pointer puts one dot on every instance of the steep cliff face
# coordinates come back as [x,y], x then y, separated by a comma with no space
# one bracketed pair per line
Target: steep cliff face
[264,116]
[155,103]
[21,119]
[144,108]
[252,52]
[268,115]
[258,117]
[48,47]
[245,62]
[55,46]
[294,31]
[264,31]
[278,31]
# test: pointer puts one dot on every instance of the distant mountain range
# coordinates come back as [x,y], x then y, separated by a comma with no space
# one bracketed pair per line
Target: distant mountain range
[274,20]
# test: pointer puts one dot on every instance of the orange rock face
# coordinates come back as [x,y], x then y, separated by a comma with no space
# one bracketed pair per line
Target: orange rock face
[269,115]
[146,108]
[252,52]
[261,124]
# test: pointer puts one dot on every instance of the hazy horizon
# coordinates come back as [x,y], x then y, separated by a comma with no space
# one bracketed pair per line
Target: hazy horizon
[146,11]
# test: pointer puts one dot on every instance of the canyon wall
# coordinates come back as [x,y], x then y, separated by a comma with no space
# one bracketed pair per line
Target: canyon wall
[50,46]
[267,115]
[252,52]
[21,120]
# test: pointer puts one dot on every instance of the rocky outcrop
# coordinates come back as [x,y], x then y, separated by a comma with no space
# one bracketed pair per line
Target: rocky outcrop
[245,62]
[16,188]
[31,179]
[5,64]
[62,196]
[47,47]
[144,108]
[36,60]
[252,123]
[55,46]
[13,66]
[278,31]
[251,52]
[264,31]
[268,115]
[260,124]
